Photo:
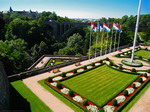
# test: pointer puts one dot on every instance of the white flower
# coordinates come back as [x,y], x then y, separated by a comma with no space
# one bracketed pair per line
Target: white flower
[109,108]
[89,67]
[148,74]
[57,78]
[54,83]
[120,99]
[137,84]
[143,78]
[92,108]
[130,90]
[96,64]
[107,62]
[141,72]
[64,90]
[80,70]
[126,70]
[77,98]
[69,74]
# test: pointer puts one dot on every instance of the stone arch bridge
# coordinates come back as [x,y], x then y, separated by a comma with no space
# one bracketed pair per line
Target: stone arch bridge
[63,29]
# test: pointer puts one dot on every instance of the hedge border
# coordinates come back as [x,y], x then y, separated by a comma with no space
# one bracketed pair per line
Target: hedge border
[122,61]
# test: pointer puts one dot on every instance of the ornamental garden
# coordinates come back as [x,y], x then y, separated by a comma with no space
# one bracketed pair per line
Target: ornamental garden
[102,86]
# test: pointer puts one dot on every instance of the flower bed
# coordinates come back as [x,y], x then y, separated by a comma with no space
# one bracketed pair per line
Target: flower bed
[91,106]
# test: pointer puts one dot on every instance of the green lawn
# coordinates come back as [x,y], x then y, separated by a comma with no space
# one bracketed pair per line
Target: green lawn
[100,85]
[143,53]
[59,96]
[49,62]
[137,97]
[36,104]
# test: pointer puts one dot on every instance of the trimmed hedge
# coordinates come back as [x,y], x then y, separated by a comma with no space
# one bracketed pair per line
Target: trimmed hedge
[85,102]
[114,102]
[125,93]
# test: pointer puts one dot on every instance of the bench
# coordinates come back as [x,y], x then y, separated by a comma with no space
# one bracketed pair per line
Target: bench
[55,70]
[77,64]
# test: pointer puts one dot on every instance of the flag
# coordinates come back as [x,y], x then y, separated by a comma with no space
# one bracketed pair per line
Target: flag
[99,27]
[93,27]
[117,28]
[106,27]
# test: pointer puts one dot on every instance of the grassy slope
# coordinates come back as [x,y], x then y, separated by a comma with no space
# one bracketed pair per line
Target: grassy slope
[127,108]
[143,53]
[67,102]
[36,104]
[101,84]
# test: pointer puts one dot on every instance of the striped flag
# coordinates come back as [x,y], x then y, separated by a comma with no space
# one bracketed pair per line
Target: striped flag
[93,27]
[117,28]
[99,27]
[106,27]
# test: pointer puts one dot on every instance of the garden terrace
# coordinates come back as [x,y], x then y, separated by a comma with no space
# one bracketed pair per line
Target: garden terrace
[100,84]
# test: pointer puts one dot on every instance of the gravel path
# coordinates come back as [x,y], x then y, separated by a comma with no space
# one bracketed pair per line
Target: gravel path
[50,100]
[143,104]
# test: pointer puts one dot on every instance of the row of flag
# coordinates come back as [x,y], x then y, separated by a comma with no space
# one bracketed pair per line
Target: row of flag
[104,27]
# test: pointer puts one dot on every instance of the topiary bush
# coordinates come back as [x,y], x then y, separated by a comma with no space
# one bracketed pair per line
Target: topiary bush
[59,86]
[133,70]
[85,67]
[133,85]
[140,57]
[148,59]
[111,63]
[125,93]
[85,102]
[120,67]
[101,110]
[50,79]
[107,59]
[101,61]
[145,75]
[93,64]
[71,93]
[148,71]
[140,80]
[63,74]
[114,102]
[75,70]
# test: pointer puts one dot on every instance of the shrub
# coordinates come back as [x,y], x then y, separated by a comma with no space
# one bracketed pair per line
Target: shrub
[85,67]
[145,75]
[140,80]
[59,86]
[140,57]
[63,74]
[93,64]
[133,85]
[101,110]
[107,59]
[148,59]
[111,63]
[101,61]
[85,102]
[114,102]
[75,70]
[146,48]
[120,67]
[148,71]
[133,70]
[125,93]
[50,79]
[71,93]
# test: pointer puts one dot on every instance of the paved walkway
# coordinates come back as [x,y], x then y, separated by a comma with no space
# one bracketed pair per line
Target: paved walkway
[143,104]
[42,62]
[50,100]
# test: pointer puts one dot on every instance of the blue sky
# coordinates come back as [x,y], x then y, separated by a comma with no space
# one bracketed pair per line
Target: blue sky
[80,8]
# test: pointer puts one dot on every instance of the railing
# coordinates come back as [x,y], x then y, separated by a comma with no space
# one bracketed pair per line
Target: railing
[46,69]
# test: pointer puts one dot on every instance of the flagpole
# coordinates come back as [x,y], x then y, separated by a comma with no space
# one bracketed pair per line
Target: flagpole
[102,42]
[118,42]
[115,41]
[90,43]
[106,43]
[96,44]
[111,41]
[136,30]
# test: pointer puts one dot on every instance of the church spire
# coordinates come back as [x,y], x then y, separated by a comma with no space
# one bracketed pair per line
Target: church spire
[10,9]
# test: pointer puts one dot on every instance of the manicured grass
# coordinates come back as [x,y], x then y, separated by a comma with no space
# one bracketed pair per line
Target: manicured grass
[143,53]
[133,101]
[49,62]
[67,102]
[101,84]
[36,104]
